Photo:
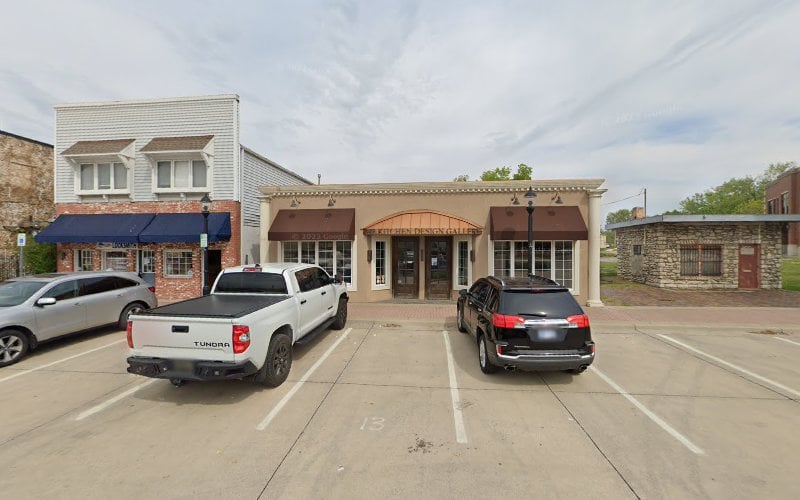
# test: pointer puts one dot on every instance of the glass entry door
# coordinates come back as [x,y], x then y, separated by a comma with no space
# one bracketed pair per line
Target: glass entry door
[405,279]
[438,279]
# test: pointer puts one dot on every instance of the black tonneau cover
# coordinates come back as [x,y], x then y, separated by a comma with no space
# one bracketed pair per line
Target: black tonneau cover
[216,306]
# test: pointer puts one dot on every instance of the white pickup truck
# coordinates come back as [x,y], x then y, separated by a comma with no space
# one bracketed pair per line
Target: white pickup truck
[245,327]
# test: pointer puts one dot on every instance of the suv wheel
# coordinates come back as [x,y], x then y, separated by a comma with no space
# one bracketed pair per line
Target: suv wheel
[13,346]
[126,313]
[460,319]
[483,357]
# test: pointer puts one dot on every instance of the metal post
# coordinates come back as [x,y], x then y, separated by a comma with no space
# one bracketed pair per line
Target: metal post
[205,200]
[530,209]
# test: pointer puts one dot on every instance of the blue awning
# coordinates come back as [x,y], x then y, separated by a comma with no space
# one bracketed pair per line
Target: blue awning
[95,228]
[186,228]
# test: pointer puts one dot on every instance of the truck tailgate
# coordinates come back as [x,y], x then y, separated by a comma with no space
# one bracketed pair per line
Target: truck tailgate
[182,338]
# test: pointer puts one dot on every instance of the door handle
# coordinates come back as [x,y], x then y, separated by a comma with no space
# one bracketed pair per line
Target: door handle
[323,293]
[303,302]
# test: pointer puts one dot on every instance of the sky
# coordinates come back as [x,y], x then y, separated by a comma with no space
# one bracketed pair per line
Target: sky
[675,97]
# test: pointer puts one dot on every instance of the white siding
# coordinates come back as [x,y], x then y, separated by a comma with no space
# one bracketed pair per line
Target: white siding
[257,172]
[142,121]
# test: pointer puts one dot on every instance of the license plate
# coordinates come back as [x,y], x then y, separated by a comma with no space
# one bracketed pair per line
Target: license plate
[182,366]
[546,334]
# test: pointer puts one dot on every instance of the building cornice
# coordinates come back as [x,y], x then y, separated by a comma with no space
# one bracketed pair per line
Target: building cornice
[551,185]
[135,102]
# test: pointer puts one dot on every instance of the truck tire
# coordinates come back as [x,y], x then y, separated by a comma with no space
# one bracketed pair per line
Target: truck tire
[278,362]
[341,315]
[13,346]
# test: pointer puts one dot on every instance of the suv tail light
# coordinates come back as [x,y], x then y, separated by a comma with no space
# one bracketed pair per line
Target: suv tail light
[578,321]
[504,321]
[129,333]
[152,289]
[241,338]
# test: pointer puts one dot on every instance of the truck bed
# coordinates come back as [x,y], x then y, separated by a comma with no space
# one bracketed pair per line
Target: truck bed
[216,306]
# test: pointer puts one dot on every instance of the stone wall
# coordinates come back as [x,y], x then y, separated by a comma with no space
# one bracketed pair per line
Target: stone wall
[26,185]
[659,264]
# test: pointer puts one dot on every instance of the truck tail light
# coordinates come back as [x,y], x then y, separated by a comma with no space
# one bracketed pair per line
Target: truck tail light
[129,333]
[504,321]
[578,321]
[241,338]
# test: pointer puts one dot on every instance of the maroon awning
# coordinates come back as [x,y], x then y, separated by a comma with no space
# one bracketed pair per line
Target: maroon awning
[549,223]
[314,224]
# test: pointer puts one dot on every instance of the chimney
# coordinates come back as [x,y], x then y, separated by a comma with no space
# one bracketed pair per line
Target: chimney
[637,213]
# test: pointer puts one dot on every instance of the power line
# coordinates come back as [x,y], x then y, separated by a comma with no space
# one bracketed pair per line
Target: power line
[627,198]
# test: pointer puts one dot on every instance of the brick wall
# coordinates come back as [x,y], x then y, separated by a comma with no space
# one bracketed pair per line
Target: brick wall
[167,289]
[659,264]
[26,185]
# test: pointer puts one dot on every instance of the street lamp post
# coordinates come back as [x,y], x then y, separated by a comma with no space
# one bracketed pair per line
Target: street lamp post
[205,201]
[530,195]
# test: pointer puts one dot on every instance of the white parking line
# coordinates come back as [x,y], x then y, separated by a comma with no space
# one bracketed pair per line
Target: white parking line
[102,406]
[652,416]
[458,417]
[48,365]
[789,341]
[264,423]
[731,365]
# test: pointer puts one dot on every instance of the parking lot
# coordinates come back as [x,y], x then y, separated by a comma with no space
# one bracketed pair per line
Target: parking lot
[393,408]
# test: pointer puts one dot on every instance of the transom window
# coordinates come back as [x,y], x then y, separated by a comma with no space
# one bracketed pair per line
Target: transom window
[552,259]
[335,257]
[181,174]
[103,177]
[178,263]
[701,260]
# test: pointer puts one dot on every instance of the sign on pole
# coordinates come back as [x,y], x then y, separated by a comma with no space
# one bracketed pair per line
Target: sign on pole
[203,240]
[21,239]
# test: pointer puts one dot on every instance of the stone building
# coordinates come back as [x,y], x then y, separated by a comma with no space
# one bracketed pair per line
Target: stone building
[702,251]
[26,193]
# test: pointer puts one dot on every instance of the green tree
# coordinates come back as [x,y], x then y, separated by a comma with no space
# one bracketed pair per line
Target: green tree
[740,195]
[462,178]
[524,172]
[39,257]
[620,215]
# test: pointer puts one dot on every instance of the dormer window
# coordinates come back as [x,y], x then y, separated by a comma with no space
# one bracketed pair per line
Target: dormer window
[181,164]
[101,167]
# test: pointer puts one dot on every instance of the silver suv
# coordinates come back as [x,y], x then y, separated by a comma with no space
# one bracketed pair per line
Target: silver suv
[37,308]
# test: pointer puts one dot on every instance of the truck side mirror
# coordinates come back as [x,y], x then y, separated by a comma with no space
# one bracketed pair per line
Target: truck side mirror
[338,278]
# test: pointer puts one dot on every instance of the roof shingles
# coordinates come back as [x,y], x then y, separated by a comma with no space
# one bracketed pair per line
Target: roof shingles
[191,143]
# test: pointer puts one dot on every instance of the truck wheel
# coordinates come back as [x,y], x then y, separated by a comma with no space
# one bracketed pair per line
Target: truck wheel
[279,361]
[129,309]
[483,357]
[341,315]
[13,346]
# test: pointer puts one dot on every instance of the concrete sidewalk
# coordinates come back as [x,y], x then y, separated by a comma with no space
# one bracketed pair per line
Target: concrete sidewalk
[762,318]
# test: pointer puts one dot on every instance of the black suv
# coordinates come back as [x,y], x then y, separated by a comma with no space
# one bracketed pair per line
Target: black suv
[526,323]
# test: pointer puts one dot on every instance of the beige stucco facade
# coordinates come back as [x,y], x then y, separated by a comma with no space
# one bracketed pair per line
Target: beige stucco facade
[457,205]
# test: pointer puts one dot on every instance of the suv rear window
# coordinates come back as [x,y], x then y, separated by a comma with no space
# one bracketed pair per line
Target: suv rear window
[554,303]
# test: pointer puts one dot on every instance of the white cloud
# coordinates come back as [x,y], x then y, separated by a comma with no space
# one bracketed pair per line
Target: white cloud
[676,97]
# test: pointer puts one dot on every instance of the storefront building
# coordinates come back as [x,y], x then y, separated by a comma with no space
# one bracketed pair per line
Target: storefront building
[133,178]
[426,241]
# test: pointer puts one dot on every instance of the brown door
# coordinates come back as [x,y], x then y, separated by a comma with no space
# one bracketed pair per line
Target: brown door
[749,256]
[439,266]
[405,282]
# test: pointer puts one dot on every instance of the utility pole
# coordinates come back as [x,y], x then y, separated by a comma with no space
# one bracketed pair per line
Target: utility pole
[645,201]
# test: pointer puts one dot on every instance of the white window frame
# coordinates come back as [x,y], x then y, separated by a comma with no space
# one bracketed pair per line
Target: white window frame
[95,189]
[574,289]
[78,257]
[353,257]
[177,250]
[188,189]
[387,242]
[139,256]
[456,241]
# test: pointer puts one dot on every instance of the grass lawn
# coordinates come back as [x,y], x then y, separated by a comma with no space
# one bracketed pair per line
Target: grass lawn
[790,273]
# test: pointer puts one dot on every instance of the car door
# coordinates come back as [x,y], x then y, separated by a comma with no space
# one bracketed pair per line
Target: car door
[327,293]
[308,298]
[475,300]
[102,299]
[67,315]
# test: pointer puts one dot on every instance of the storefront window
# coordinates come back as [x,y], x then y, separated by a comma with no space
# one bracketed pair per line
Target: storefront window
[178,263]
[335,257]
[462,277]
[552,259]
[116,260]
[83,260]
[380,262]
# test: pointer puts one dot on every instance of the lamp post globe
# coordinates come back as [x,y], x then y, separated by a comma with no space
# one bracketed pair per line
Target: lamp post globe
[530,195]
[205,202]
